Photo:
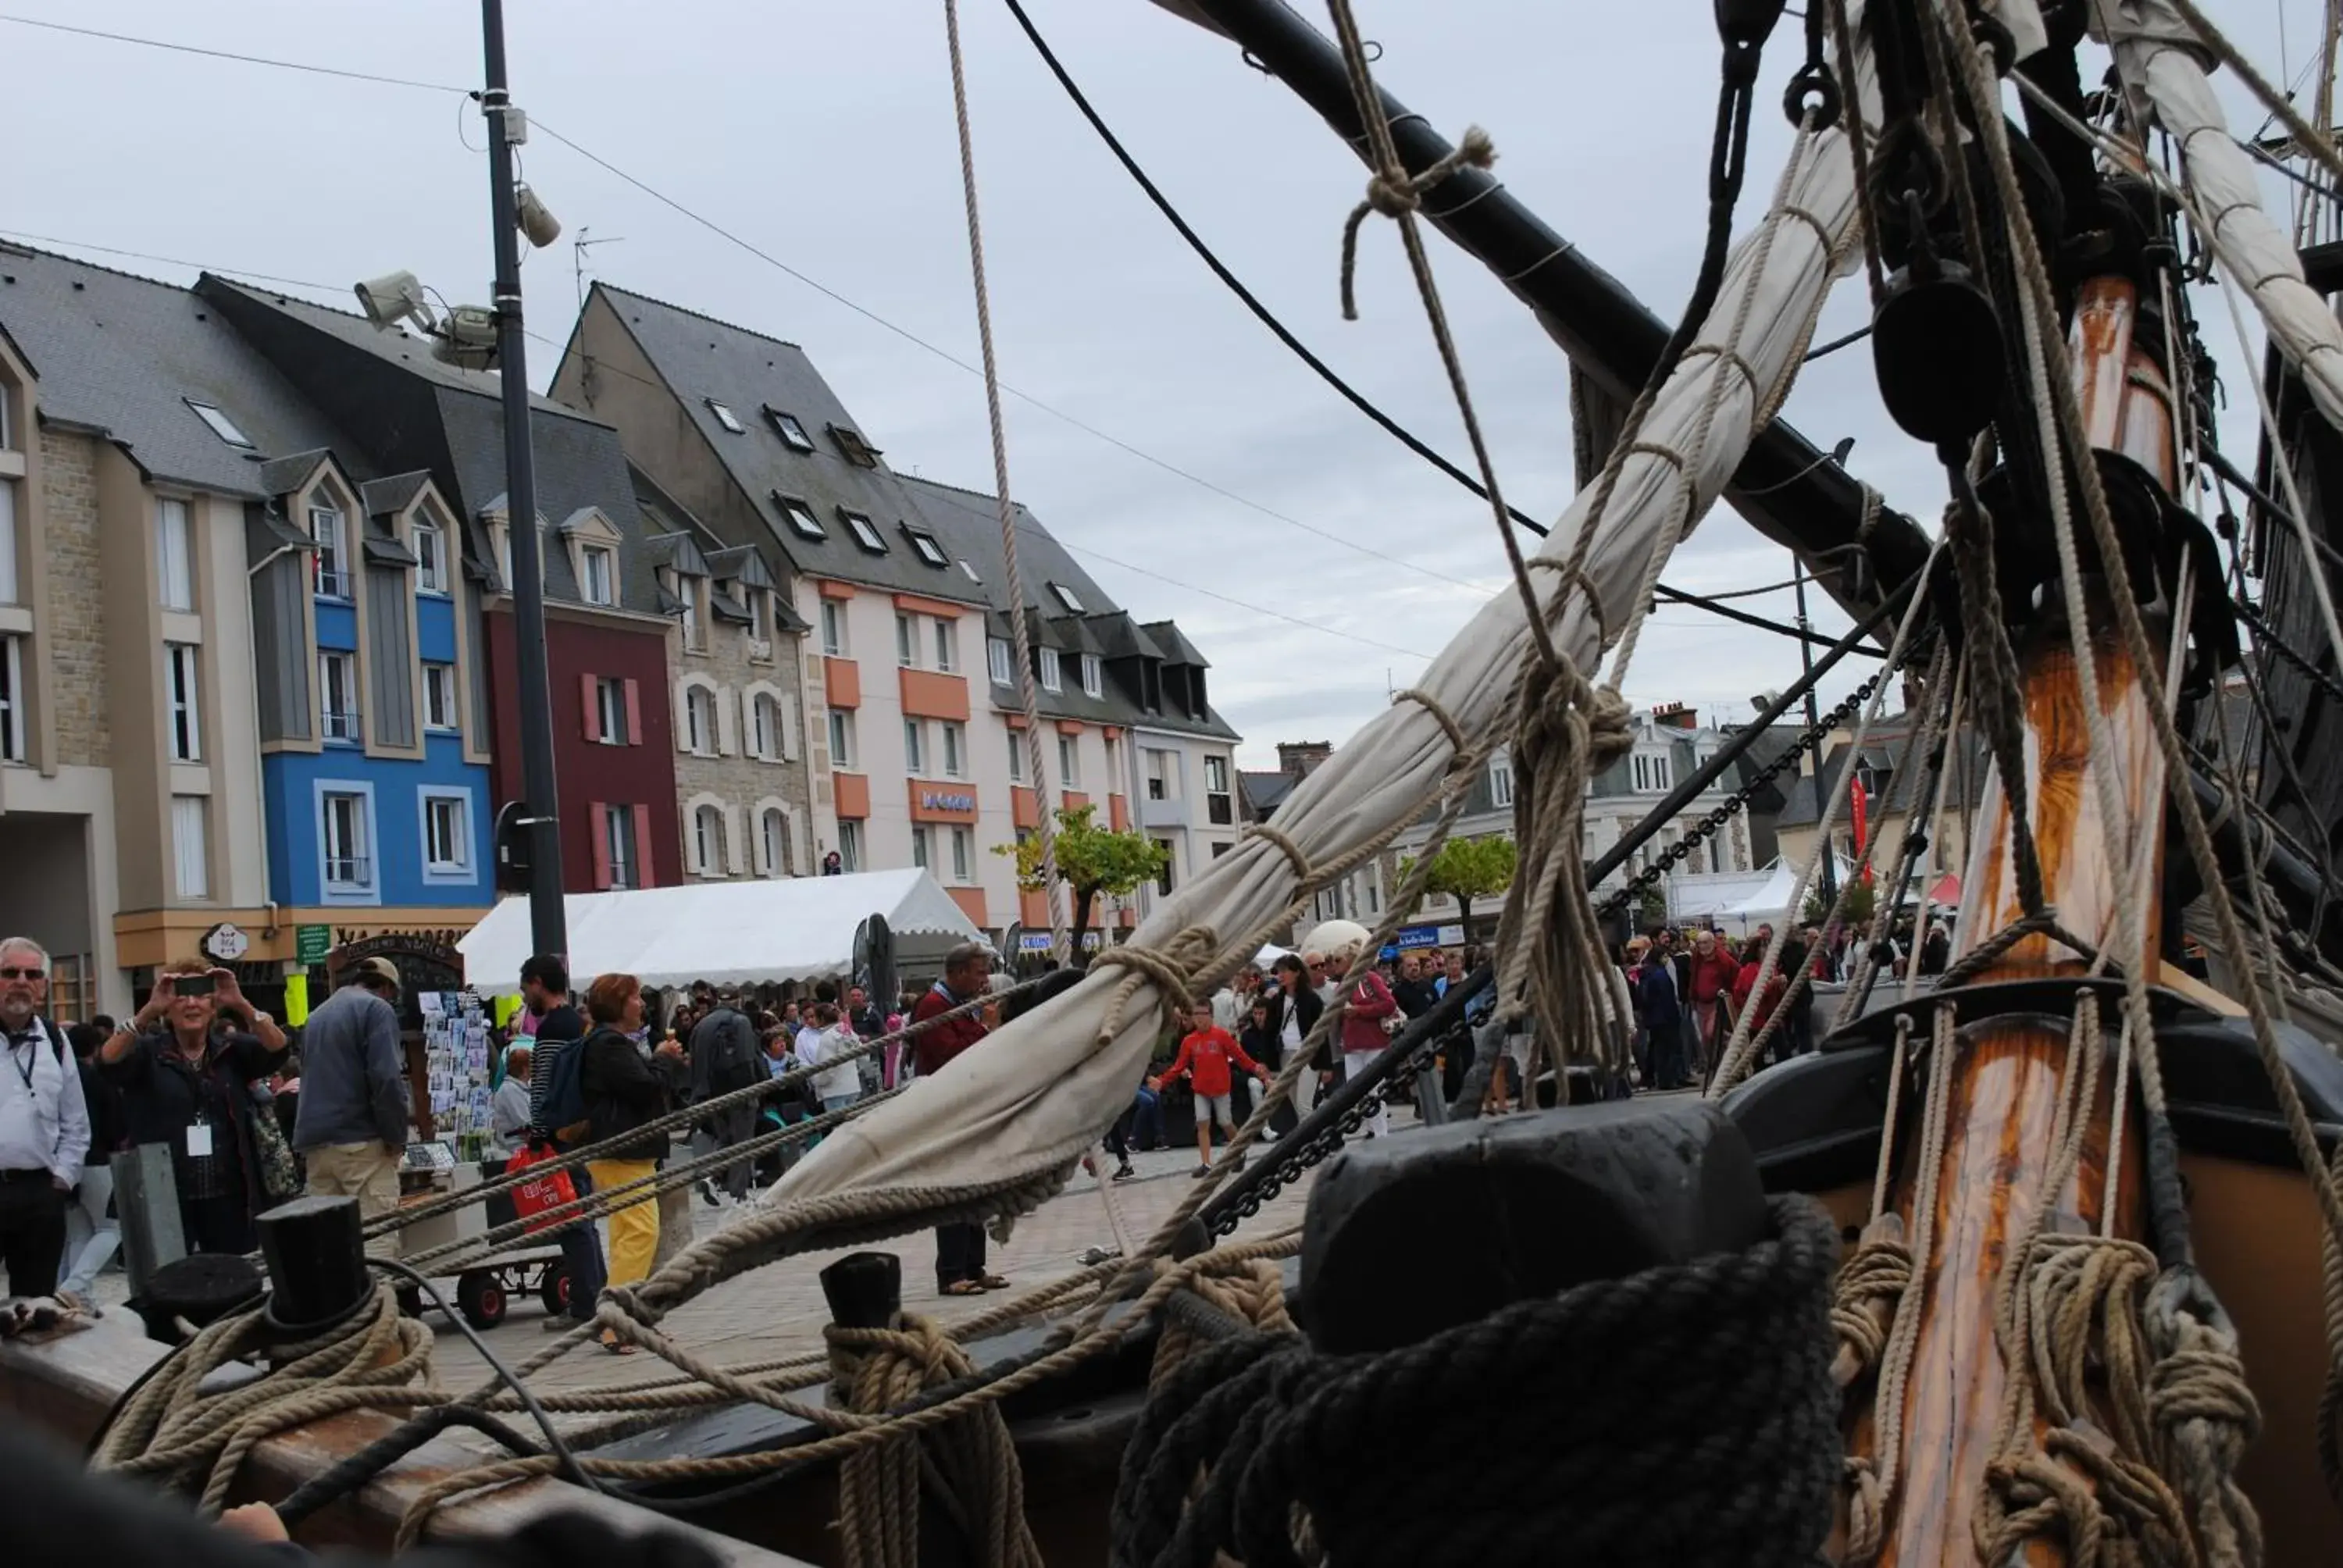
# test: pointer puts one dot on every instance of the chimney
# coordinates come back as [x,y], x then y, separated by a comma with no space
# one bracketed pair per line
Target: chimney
[1301,758]
[1675,715]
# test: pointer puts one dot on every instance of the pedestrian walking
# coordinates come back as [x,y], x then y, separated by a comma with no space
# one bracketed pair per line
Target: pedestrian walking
[44,1124]
[1203,1059]
[622,1094]
[351,1130]
[959,1248]
[725,1058]
[1298,1010]
[559,1120]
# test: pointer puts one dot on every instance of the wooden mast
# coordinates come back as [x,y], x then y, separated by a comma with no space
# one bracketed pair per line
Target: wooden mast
[1990,1185]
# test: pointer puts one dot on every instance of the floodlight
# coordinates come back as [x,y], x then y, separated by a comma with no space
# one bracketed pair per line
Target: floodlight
[392,299]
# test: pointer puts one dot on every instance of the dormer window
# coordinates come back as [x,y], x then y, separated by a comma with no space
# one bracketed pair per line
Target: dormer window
[221,425]
[853,448]
[1068,598]
[726,417]
[1093,682]
[866,532]
[800,517]
[926,546]
[688,589]
[333,559]
[430,547]
[1051,678]
[598,574]
[788,426]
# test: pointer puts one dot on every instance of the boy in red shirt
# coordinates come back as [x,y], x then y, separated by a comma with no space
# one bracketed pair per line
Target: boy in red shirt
[1205,1056]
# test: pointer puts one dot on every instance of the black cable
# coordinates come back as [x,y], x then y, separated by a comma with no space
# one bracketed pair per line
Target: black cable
[1327,373]
[1727,612]
[1836,343]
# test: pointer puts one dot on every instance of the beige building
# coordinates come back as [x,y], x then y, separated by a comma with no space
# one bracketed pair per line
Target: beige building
[1887,772]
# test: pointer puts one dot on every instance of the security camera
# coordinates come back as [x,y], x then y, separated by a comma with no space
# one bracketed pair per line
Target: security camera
[1764,699]
[536,221]
[392,299]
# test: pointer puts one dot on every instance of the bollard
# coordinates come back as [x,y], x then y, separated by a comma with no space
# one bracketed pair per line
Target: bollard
[864,1290]
[316,1263]
[195,1290]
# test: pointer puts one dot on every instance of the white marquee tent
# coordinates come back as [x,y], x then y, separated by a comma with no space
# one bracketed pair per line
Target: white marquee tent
[739,933]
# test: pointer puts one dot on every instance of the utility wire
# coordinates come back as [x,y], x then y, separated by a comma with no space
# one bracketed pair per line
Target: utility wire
[1666,592]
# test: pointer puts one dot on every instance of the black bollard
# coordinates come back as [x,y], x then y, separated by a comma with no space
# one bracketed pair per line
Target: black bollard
[316,1260]
[1404,1237]
[198,1291]
[865,1289]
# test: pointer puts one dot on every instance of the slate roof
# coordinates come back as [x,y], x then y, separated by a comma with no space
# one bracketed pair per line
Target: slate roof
[1264,792]
[701,358]
[121,355]
[387,497]
[418,414]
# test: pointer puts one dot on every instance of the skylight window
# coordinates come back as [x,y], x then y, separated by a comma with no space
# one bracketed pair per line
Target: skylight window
[1067,597]
[969,572]
[865,532]
[853,448]
[789,429]
[926,549]
[221,425]
[800,517]
[726,417]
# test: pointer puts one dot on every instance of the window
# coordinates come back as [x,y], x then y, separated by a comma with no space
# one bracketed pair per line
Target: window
[11,699]
[221,425]
[700,721]
[430,559]
[1051,680]
[857,451]
[439,696]
[1091,683]
[765,727]
[626,855]
[773,828]
[349,864]
[190,854]
[921,836]
[800,517]
[448,835]
[7,426]
[179,692]
[1650,772]
[333,573]
[925,546]
[1163,774]
[1171,857]
[688,591]
[907,641]
[866,532]
[915,759]
[1070,763]
[1068,598]
[726,417]
[1016,757]
[1216,775]
[955,736]
[1001,656]
[610,711]
[969,572]
[758,617]
[337,695]
[8,533]
[850,845]
[833,629]
[1501,781]
[707,841]
[841,738]
[598,566]
[1219,805]
[963,855]
[788,428]
[946,645]
[175,563]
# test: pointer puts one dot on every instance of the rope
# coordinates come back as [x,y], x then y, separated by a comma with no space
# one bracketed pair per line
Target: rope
[1682,1414]
[971,1463]
[1253,1295]
[1045,831]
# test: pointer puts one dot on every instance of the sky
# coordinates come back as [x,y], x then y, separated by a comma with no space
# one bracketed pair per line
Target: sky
[1152,420]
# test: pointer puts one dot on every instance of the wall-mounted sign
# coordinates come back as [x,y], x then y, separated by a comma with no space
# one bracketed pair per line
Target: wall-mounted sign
[946,801]
[1408,937]
[310,944]
[224,943]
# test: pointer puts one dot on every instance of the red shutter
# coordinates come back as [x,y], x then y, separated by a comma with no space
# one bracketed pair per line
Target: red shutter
[643,875]
[597,829]
[634,715]
[590,705]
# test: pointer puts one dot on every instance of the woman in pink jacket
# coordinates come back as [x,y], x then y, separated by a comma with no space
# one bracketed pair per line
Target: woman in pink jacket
[1366,1026]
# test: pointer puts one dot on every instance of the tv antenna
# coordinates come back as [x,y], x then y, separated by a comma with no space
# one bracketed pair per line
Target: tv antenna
[578,250]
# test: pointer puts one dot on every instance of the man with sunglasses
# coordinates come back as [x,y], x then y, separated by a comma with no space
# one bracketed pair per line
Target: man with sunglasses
[44,1124]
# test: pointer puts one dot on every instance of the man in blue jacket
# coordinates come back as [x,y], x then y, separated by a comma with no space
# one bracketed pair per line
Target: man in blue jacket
[351,1130]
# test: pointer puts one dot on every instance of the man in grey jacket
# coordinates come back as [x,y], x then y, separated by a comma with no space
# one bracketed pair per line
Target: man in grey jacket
[351,1130]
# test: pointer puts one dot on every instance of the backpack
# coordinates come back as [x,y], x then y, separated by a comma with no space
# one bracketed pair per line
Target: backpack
[565,1093]
[730,1043]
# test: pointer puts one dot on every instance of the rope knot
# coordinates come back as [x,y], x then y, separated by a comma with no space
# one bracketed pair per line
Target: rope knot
[1396,193]
[1189,953]
[1609,728]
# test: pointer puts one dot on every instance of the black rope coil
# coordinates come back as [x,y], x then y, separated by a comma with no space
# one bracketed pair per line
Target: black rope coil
[1683,1415]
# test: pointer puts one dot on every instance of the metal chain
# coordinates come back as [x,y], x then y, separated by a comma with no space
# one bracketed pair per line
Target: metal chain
[1808,739]
[1287,1165]
[2268,640]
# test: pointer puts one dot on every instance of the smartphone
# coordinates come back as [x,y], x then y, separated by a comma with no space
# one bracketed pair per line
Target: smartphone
[193,985]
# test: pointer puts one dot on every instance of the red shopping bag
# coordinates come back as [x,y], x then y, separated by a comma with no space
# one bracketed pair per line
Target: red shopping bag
[550,1190]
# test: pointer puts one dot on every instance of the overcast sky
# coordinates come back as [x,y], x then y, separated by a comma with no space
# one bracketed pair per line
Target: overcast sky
[823,135]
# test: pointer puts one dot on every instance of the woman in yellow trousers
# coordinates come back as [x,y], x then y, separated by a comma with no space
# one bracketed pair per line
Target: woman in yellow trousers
[622,1093]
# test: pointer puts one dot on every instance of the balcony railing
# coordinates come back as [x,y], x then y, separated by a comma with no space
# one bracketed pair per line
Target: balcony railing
[333,582]
[350,872]
[341,724]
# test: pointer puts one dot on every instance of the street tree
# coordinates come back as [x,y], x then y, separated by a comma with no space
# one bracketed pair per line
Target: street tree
[1091,861]
[1466,869]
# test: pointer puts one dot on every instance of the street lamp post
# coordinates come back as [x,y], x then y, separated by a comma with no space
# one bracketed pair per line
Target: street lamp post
[1806,656]
[548,929]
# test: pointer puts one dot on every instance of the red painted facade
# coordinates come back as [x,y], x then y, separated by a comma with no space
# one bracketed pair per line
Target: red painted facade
[640,773]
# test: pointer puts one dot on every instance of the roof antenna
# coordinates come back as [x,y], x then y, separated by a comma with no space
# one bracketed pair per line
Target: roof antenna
[578,250]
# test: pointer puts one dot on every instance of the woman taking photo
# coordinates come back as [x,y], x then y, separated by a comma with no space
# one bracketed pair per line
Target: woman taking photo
[623,1093]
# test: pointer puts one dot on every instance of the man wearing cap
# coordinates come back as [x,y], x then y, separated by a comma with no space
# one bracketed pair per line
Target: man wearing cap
[352,1128]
